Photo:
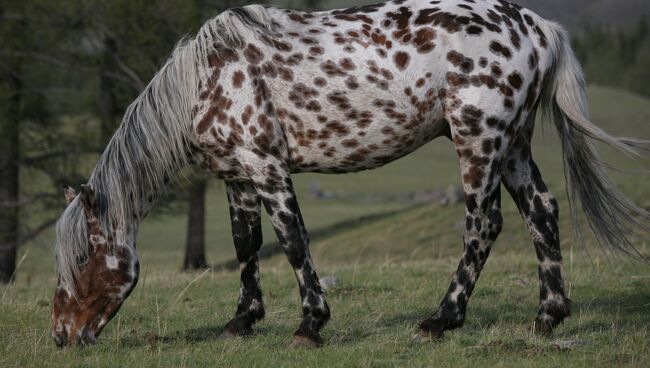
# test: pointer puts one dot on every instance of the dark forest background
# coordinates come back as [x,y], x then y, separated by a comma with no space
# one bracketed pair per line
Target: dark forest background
[69,69]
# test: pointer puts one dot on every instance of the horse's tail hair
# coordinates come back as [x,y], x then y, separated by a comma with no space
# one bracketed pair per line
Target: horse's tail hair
[613,218]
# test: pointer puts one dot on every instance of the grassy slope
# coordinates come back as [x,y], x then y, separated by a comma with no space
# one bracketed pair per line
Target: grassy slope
[392,272]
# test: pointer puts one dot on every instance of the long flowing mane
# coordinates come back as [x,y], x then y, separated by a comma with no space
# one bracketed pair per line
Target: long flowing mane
[153,141]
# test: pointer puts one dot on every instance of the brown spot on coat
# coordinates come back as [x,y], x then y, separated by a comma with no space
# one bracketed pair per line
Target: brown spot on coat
[515,80]
[253,54]
[238,79]
[350,143]
[499,49]
[459,60]
[401,59]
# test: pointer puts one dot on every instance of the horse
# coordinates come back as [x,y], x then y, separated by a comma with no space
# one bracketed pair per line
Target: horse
[261,93]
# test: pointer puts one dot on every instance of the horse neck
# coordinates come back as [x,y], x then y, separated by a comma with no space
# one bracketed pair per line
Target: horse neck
[151,145]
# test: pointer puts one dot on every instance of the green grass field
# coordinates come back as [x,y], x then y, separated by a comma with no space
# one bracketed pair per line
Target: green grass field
[394,262]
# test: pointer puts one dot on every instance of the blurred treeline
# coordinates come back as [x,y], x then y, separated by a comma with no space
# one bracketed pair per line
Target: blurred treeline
[69,69]
[616,56]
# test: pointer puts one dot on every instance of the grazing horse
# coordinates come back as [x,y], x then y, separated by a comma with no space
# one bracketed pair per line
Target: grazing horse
[261,93]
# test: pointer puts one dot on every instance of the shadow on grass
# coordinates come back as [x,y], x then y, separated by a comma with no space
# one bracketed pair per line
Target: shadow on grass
[628,309]
[200,334]
[190,335]
[599,310]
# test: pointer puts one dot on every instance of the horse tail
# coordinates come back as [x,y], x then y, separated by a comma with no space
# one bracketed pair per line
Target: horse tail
[613,218]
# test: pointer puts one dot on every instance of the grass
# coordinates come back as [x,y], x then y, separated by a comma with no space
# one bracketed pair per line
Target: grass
[393,268]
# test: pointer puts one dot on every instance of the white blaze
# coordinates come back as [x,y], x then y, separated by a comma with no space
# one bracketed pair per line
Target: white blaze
[111,262]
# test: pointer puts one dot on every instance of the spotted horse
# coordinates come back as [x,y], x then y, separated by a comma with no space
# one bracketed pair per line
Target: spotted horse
[261,93]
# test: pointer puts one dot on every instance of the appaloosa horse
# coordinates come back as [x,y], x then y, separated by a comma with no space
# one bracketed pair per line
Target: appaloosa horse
[262,93]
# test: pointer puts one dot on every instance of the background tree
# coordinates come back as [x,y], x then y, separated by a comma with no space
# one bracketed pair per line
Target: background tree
[11,97]
[69,71]
[26,125]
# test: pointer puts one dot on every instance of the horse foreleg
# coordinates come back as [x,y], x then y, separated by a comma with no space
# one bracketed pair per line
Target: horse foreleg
[274,185]
[245,218]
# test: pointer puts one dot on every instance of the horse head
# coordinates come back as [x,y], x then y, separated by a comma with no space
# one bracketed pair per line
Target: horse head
[100,280]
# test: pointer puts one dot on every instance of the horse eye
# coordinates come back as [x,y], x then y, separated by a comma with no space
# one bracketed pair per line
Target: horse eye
[81,260]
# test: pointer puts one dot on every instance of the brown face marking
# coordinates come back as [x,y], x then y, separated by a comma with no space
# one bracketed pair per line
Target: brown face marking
[105,279]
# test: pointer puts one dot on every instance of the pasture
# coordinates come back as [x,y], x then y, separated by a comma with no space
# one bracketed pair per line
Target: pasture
[393,260]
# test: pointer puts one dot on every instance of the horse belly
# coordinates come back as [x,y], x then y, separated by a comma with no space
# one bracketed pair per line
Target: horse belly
[353,152]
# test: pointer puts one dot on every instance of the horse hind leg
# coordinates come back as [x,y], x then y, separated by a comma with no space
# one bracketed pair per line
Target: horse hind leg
[245,217]
[539,210]
[481,150]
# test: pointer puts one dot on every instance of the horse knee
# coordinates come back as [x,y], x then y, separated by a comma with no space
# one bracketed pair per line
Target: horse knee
[495,223]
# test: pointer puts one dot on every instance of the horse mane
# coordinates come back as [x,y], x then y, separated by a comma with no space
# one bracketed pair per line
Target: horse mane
[153,142]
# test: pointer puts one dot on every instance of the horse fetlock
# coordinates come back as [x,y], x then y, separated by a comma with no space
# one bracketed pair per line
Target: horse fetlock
[238,327]
[552,312]
[433,328]
[300,341]
[545,324]
[242,323]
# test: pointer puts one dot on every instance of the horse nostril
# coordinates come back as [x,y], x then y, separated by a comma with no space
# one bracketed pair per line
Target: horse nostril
[59,340]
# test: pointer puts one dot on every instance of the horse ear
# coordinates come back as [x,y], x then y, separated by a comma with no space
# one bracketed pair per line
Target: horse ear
[69,194]
[88,200]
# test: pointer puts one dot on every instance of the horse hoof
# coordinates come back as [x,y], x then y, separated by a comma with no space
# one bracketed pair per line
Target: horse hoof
[302,342]
[543,327]
[427,336]
[228,335]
